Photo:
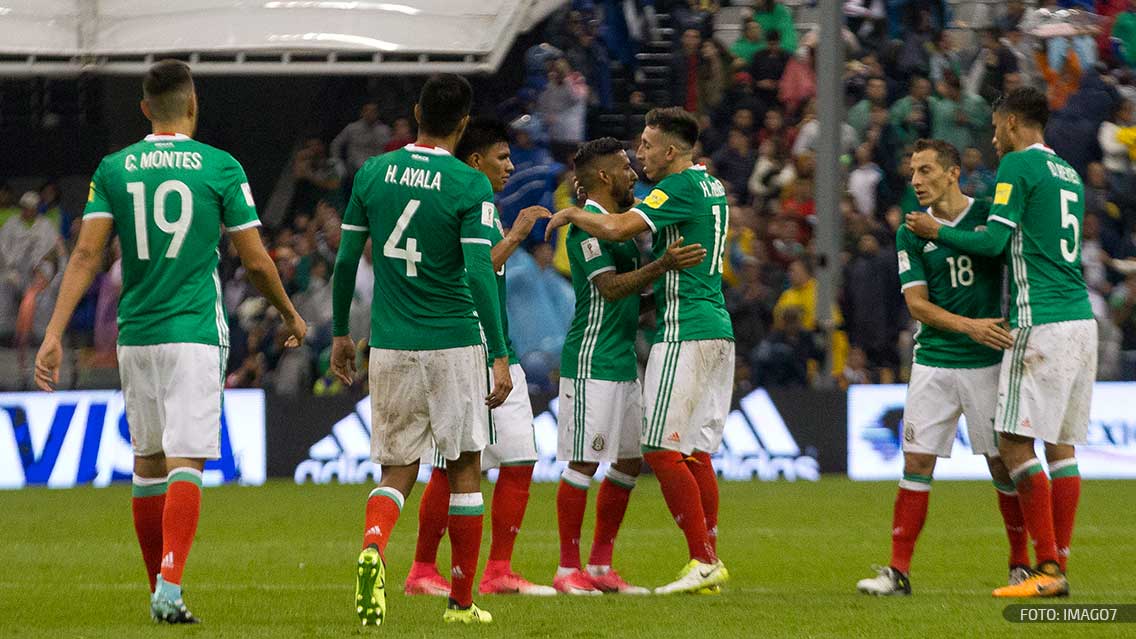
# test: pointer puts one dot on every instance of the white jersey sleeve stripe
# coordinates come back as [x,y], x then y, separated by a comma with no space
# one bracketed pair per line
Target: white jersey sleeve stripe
[646,219]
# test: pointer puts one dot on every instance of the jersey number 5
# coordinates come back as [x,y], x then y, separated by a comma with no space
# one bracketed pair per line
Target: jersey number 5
[1069,249]
[177,228]
[410,253]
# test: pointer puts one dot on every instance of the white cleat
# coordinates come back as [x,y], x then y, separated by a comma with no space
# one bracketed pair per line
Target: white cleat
[696,576]
[887,582]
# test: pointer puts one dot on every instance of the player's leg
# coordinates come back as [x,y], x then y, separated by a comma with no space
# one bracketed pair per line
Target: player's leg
[147,504]
[433,516]
[1012,518]
[711,414]
[611,506]
[1065,478]
[572,490]
[467,512]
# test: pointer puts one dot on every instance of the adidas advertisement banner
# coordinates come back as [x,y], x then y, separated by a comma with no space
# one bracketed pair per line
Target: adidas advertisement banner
[786,435]
[875,429]
[66,439]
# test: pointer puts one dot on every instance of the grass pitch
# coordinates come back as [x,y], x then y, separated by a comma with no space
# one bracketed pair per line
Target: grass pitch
[277,561]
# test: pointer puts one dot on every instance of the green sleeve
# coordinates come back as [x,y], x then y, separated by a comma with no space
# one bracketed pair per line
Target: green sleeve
[910,257]
[236,198]
[989,242]
[351,242]
[98,200]
[667,204]
[786,27]
[588,254]
[478,229]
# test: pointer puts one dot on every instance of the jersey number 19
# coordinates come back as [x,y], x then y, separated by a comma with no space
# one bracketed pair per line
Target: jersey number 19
[177,228]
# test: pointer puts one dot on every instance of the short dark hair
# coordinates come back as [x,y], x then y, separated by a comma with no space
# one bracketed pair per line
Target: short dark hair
[945,152]
[480,134]
[444,101]
[675,121]
[167,87]
[1027,103]
[589,153]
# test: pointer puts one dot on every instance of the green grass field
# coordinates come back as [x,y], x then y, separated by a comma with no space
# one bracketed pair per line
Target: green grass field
[277,561]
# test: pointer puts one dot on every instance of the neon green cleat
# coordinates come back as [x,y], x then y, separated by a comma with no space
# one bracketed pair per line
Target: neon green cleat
[470,615]
[696,576]
[370,587]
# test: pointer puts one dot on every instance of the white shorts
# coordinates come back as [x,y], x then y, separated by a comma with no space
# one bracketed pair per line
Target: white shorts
[173,395]
[935,399]
[686,394]
[1046,386]
[424,398]
[512,440]
[599,420]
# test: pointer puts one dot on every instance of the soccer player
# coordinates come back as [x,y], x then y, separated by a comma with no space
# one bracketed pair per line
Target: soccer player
[601,408]
[485,147]
[168,197]
[956,298]
[685,413]
[434,218]
[1046,382]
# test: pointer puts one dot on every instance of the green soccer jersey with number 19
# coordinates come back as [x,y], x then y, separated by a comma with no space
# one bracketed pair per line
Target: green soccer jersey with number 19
[1041,198]
[418,204]
[601,341]
[689,304]
[966,285]
[169,197]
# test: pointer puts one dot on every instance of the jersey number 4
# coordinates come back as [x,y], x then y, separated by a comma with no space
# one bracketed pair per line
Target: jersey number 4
[410,253]
[178,228]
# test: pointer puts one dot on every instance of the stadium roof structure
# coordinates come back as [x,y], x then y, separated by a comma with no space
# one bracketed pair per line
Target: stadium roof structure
[263,37]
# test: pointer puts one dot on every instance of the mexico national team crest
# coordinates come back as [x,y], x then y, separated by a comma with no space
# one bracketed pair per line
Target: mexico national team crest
[908,433]
[598,443]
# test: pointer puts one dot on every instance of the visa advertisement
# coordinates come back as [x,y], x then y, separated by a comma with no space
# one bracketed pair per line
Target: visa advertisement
[66,439]
[875,422]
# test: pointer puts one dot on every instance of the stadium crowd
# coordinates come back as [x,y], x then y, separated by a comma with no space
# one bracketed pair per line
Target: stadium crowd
[747,71]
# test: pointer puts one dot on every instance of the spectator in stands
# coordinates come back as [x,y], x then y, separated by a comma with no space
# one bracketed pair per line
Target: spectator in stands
[751,41]
[809,133]
[864,181]
[768,67]
[975,179]
[360,140]
[750,305]
[914,54]
[959,118]
[944,57]
[314,176]
[30,247]
[734,163]
[769,173]
[8,206]
[563,106]
[991,64]
[684,70]
[1124,31]
[1123,302]
[535,176]
[798,81]
[867,19]
[1009,20]
[859,115]
[587,55]
[911,115]
[1117,156]
[884,138]
[773,128]
[1073,131]
[695,14]
[872,305]
[402,133]
[774,17]
[785,356]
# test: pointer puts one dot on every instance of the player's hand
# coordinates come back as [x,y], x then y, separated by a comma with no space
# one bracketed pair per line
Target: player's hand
[343,359]
[297,328]
[562,218]
[47,363]
[990,332]
[923,225]
[502,383]
[528,217]
[679,257]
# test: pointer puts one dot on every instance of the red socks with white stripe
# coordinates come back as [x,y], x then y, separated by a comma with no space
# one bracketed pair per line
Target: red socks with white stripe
[683,496]
[1066,494]
[148,503]
[908,517]
[179,521]
[1015,524]
[384,505]
[433,517]
[1037,508]
[611,505]
[571,502]
[467,510]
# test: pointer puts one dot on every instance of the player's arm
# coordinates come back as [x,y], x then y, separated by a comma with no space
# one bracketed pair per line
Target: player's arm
[352,240]
[986,331]
[615,227]
[479,223]
[512,240]
[614,286]
[989,242]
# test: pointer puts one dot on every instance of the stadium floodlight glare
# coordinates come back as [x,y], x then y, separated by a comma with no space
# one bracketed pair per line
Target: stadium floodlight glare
[345,6]
[345,38]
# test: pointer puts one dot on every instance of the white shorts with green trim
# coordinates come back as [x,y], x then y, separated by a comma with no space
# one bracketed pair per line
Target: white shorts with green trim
[935,399]
[1045,389]
[173,395]
[425,398]
[514,440]
[686,394]
[599,420]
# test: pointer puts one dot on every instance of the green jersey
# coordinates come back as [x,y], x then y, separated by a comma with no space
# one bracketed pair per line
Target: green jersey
[169,197]
[966,285]
[601,341]
[496,235]
[419,205]
[1041,198]
[689,303]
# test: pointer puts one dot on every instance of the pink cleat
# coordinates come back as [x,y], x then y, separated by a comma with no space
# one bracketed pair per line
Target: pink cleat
[610,581]
[424,579]
[576,583]
[510,583]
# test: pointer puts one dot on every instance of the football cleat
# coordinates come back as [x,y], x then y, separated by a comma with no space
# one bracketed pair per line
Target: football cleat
[424,579]
[510,583]
[695,576]
[370,587]
[1045,581]
[167,605]
[576,583]
[610,581]
[470,615]
[887,582]
[1018,574]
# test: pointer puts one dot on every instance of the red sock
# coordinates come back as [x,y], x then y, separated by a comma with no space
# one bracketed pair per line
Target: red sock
[148,504]
[907,518]
[1015,524]
[510,498]
[179,521]
[571,502]
[433,515]
[681,493]
[1037,508]
[466,512]
[611,504]
[384,505]
[1066,493]
[703,470]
